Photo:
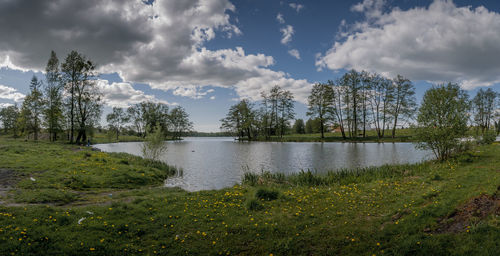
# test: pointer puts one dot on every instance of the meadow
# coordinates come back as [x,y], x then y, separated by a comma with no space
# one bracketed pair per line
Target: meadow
[64,199]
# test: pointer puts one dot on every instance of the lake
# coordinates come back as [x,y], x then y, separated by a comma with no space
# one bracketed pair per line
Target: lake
[215,163]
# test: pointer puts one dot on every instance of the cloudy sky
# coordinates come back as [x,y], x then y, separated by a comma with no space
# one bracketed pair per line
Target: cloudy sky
[206,54]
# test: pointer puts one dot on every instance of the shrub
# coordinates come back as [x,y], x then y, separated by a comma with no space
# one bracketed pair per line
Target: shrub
[266,194]
[154,145]
[488,137]
[254,205]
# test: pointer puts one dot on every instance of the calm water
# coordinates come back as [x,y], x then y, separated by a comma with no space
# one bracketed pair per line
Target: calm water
[214,163]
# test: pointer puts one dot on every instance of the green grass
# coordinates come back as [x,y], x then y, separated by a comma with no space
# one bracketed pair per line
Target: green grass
[388,210]
[402,135]
[99,138]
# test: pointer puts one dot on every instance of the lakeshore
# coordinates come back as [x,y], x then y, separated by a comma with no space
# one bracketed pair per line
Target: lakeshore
[64,199]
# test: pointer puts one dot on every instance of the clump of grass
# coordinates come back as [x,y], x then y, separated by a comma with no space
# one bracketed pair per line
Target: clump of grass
[265,194]
[250,178]
[39,196]
[254,205]
[342,176]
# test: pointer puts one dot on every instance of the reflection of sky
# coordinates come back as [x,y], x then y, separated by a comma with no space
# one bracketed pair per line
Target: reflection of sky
[214,163]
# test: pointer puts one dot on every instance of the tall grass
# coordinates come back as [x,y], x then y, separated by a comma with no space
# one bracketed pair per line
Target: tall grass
[342,176]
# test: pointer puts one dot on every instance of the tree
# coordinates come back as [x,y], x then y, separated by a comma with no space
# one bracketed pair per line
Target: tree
[154,145]
[77,72]
[179,122]
[351,81]
[321,105]
[380,100]
[240,120]
[442,119]
[404,101]
[147,115]
[116,119]
[53,112]
[277,111]
[483,106]
[9,116]
[309,126]
[299,127]
[31,110]
[338,92]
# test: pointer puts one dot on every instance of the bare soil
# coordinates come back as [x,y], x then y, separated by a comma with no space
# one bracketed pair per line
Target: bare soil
[476,209]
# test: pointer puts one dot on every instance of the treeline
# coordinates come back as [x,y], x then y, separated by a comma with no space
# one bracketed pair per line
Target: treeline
[353,104]
[68,105]
[143,118]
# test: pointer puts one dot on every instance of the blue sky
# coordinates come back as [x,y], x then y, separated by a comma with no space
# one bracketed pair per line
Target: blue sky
[206,54]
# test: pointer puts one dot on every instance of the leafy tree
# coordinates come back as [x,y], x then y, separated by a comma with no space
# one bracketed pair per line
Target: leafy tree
[483,106]
[321,105]
[179,121]
[351,81]
[77,72]
[299,127]
[382,97]
[442,119]
[116,119]
[147,115]
[9,116]
[240,120]
[338,99]
[277,111]
[53,112]
[154,145]
[309,126]
[31,110]
[404,103]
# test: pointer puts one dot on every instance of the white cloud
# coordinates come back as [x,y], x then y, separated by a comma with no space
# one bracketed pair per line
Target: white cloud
[160,44]
[10,93]
[123,95]
[280,18]
[212,97]
[287,34]
[4,105]
[252,87]
[438,43]
[191,92]
[371,8]
[297,7]
[295,53]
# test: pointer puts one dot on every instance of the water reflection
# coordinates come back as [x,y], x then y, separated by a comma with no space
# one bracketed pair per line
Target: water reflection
[214,163]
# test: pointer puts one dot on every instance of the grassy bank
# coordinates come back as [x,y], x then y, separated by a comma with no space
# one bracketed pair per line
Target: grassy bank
[402,135]
[113,204]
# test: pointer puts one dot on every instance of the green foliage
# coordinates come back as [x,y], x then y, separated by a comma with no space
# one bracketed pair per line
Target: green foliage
[321,105]
[9,117]
[265,194]
[254,205]
[394,209]
[442,120]
[30,118]
[179,122]
[154,145]
[299,127]
[488,137]
[483,106]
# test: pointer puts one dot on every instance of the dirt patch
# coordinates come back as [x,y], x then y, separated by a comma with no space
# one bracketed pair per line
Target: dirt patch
[474,210]
[8,178]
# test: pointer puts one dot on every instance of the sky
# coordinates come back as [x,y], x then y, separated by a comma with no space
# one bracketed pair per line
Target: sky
[205,55]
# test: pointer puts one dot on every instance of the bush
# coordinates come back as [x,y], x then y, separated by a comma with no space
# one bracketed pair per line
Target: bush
[254,205]
[154,145]
[265,194]
[488,137]
[250,178]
